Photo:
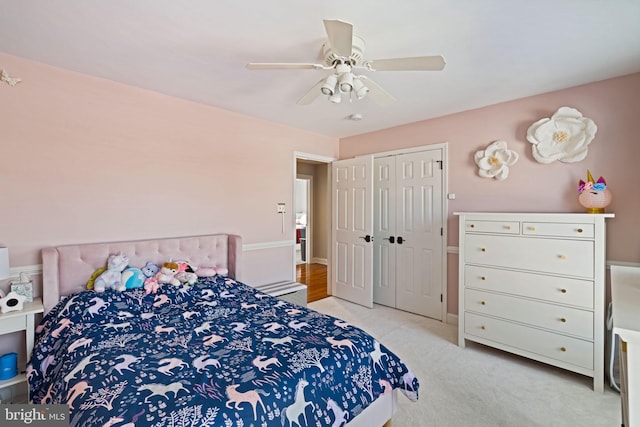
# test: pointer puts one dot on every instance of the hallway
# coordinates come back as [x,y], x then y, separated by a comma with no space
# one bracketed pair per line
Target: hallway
[315,277]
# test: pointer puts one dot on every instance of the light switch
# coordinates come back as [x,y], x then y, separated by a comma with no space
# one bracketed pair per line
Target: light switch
[280,208]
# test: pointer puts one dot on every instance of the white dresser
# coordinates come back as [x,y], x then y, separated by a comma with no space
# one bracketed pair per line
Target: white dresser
[534,284]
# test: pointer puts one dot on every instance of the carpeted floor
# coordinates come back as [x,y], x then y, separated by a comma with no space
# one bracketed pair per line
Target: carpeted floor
[477,385]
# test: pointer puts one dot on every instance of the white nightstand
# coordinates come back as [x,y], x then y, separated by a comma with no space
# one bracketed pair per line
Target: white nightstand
[22,320]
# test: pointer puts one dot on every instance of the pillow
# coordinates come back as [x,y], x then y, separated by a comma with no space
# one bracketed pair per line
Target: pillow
[211,271]
[206,271]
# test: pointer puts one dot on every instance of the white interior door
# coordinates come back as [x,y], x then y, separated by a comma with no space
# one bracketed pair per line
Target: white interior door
[419,229]
[384,231]
[352,230]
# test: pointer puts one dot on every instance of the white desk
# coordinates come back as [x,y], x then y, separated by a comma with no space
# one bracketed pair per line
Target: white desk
[625,299]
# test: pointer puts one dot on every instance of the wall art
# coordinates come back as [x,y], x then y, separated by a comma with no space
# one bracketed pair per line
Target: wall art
[565,136]
[494,161]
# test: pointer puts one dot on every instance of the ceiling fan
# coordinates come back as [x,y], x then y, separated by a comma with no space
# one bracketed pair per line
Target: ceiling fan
[343,53]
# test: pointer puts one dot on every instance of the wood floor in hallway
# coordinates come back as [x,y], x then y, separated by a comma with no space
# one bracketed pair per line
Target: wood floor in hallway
[315,277]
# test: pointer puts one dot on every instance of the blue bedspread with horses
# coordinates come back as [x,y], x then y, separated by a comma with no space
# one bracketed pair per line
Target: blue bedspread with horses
[218,353]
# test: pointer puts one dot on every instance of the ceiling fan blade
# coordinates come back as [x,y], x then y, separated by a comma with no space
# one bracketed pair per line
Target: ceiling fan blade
[313,93]
[282,66]
[340,34]
[417,63]
[377,94]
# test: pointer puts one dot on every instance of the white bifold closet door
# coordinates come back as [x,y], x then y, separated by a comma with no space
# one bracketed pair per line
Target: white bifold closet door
[352,229]
[407,235]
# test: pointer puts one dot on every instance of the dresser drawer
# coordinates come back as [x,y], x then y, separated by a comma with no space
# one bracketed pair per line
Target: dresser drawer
[555,346]
[559,318]
[558,229]
[570,257]
[563,290]
[503,227]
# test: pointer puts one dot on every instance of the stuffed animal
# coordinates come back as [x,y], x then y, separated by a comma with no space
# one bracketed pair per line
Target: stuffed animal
[185,275]
[150,269]
[151,285]
[94,276]
[133,278]
[167,274]
[112,277]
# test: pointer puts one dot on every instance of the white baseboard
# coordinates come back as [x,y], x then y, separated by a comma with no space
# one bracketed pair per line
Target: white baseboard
[452,319]
[319,261]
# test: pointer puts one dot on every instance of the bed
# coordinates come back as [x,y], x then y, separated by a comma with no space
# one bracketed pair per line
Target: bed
[216,353]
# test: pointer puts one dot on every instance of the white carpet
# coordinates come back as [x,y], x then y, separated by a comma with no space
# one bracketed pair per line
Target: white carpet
[477,385]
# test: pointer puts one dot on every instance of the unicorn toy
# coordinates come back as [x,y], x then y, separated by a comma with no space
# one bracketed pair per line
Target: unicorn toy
[594,195]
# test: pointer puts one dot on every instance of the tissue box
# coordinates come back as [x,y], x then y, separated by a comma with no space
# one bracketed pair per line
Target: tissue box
[24,289]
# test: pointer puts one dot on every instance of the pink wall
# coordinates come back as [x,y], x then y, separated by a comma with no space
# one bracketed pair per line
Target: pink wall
[88,160]
[534,187]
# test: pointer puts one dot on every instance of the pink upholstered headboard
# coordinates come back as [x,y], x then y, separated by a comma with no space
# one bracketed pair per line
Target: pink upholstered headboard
[66,269]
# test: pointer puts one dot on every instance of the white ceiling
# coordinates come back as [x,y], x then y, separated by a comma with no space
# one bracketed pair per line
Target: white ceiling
[496,50]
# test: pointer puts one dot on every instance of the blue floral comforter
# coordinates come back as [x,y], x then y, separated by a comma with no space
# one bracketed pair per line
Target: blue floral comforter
[218,353]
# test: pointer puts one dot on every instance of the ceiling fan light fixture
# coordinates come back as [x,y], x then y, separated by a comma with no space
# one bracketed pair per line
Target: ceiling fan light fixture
[346,82]
[359,88]
[329,85]
[336,98]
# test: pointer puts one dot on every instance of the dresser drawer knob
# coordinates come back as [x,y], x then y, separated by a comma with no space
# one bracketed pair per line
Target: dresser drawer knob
[563,349]
[483,278]
[471,226]
[563,320]
[483,249]
[507,227]
[483,303]
[562,256]
[482,327]
[532,228]
[564,291]
[579,230]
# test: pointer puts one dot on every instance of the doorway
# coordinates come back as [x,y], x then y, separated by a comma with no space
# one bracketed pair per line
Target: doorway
[312,228]
[303,200]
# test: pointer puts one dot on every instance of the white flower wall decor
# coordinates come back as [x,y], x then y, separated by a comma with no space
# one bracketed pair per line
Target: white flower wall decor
[11,81]
[494,161]
[565,136]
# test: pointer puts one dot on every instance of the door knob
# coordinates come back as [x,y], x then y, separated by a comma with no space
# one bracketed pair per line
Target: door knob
[391,239]
[400,240]
[367,238]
